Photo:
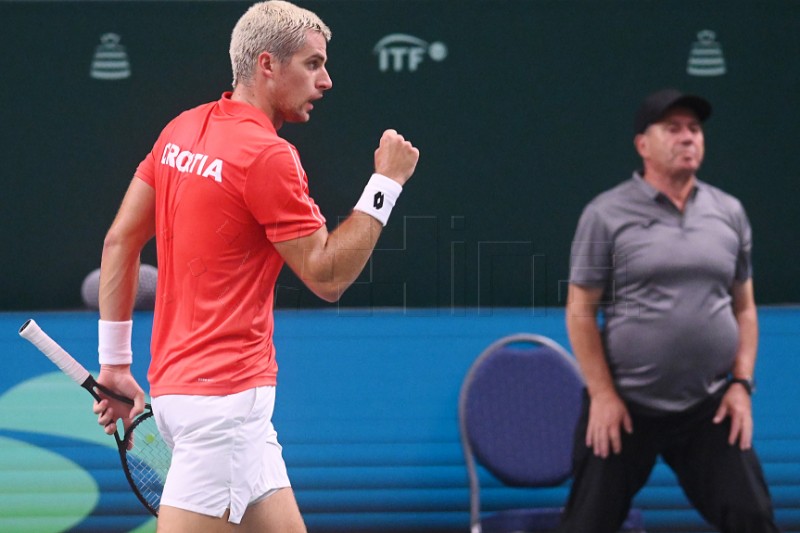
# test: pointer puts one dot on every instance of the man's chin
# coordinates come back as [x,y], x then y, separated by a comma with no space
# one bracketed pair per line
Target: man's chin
[299,119]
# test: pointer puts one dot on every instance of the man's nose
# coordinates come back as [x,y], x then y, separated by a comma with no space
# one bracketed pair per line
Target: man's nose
[326,82]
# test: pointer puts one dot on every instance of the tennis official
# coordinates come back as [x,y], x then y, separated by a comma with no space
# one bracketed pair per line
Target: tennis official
[228,202]
[666,258]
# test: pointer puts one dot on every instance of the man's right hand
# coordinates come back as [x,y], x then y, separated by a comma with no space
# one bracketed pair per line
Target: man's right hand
[118,378]
[396,158]
[607,417]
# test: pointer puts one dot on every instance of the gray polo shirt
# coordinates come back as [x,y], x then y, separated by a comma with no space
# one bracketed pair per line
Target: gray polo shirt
[668,326]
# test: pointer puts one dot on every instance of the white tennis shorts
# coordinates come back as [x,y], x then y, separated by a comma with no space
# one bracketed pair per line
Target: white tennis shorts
[225,451]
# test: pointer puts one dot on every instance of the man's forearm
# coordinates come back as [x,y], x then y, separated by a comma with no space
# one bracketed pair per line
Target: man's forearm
[744,309]
[328,263]
[584,337]
[119,280]
[745,362]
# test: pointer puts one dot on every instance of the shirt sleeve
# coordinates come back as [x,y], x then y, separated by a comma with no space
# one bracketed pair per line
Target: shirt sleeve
[276,192]
[744,264]
[591,254]
[146,169]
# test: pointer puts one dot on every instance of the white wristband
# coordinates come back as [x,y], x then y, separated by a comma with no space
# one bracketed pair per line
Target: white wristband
[379,197]
[114,342]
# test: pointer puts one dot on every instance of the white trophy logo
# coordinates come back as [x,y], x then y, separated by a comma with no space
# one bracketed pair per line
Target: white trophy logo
[110,60]
[399,52]
[705,58]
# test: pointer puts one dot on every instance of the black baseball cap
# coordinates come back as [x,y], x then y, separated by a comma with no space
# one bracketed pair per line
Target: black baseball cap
[657,104]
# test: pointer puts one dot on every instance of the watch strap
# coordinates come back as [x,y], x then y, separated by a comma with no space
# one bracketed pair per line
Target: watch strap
[748,384]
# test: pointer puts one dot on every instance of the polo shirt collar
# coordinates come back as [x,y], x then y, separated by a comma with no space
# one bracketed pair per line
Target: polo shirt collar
[653,193]
[239,109]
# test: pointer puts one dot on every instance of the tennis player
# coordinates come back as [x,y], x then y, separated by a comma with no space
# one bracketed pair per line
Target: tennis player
[228,202]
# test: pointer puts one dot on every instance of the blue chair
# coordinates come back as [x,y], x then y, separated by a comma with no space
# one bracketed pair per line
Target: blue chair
[518,407]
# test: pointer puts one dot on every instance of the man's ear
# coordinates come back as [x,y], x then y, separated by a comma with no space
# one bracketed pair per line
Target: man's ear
[265,64]
[640,143]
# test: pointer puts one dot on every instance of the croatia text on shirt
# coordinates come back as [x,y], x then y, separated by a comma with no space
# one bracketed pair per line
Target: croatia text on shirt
[186,161]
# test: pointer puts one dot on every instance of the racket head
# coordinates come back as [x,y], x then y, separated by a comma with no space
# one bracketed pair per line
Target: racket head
[147,462]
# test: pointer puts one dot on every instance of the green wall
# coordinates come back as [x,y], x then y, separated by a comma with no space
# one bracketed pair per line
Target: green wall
[522,111]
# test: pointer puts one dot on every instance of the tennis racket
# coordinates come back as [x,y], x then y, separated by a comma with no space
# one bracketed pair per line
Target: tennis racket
[145,464]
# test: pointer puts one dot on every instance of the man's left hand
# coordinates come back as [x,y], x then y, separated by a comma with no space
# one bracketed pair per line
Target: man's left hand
[737,405]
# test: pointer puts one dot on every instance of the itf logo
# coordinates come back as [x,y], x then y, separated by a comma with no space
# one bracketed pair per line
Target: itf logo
[399,52]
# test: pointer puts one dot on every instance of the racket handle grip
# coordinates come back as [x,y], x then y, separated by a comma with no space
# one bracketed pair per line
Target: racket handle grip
[31,331]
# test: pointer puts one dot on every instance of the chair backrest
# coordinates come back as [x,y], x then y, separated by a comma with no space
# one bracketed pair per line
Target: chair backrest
[518,407]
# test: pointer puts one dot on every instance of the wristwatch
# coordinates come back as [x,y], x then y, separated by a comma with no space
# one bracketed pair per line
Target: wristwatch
[748,383]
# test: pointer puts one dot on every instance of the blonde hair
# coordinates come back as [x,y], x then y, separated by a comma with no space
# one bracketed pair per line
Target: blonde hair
[275,26]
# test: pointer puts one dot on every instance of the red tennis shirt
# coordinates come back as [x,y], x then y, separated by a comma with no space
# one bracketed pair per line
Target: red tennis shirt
[227,187]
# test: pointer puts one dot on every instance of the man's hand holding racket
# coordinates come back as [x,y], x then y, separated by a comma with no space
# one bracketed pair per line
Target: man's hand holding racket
[117,395]
[118,378]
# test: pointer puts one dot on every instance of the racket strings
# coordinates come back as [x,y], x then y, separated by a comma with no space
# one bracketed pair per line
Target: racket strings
[148,461]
